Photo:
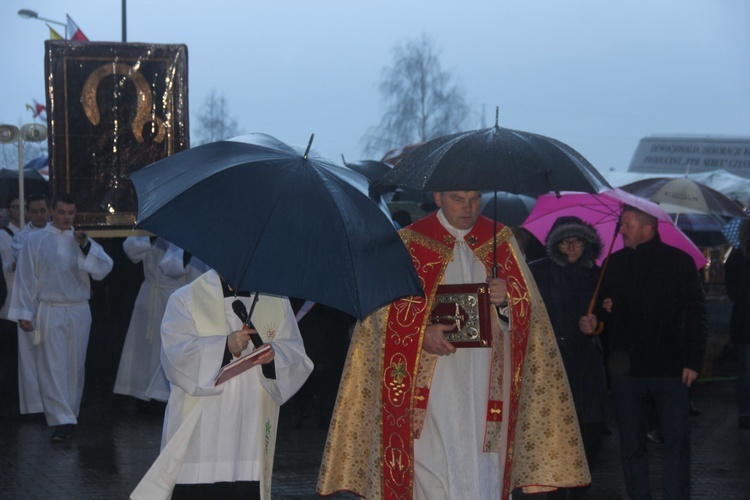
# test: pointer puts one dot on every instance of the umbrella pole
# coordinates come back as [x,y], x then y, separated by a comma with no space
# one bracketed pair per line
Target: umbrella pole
[592,304]
[494,238]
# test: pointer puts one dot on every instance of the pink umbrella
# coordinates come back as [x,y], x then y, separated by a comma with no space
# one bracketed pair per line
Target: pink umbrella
[602,210]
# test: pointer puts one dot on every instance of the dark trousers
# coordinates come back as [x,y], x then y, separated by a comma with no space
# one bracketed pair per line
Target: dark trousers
[743,379]
[634,397]
[245,490]
[9,409]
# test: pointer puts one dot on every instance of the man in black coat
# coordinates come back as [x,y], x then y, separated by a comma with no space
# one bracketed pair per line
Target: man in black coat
[657,338]
[737,272]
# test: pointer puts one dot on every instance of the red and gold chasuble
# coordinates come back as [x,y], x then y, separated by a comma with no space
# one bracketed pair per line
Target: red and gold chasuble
[407,370]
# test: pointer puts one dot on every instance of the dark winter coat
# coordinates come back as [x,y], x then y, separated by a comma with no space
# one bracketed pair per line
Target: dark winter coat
[737,279]
[658,324]
[567,290]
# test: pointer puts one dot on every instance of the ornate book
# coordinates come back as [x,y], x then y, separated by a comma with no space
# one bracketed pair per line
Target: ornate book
[468,307]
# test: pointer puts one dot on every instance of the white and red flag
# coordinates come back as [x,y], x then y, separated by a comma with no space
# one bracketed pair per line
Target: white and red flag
[37,108]
[75,32]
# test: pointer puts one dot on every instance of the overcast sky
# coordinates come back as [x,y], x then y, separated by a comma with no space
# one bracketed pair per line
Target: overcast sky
[597,74]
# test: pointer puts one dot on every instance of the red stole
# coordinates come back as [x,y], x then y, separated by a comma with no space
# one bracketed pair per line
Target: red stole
[431,247]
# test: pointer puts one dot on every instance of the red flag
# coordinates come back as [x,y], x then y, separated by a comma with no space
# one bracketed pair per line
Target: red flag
[37,108]
[75,32]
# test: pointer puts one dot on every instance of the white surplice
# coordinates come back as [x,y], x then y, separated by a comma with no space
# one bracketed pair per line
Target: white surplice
[140,359]
[172,265]
[226,432]
[448,456]
[29,396]
[51,289]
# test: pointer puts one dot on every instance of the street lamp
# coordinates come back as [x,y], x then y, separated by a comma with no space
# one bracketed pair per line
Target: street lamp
[31,132]
[30,14]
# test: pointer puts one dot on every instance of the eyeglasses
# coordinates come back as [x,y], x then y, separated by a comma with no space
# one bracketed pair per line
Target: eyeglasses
[15,207]
[571,242]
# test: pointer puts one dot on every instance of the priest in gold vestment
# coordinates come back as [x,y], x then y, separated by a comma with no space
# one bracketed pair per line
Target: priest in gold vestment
[419,418]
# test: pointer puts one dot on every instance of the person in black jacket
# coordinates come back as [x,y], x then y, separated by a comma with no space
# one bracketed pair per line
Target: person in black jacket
[737,272]
[567,280]
[657,338]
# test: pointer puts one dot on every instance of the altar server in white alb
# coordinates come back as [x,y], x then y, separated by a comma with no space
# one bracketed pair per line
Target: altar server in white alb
[30,398]
[181,268]
[50,301]
[141,352]
[219,440]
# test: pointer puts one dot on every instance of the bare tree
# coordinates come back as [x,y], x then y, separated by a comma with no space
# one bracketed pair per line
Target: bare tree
[214,120]
[422,101]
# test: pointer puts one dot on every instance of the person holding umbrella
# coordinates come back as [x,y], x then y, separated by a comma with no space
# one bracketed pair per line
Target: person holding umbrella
[567,280]
[417,417]
[222,434]
[657,332]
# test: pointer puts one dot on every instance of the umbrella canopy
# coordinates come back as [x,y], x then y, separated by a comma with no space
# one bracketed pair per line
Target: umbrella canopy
[512,209]
[704,230]
[272,218]
[33,182]
[603,211]
[683,195]
[496,159]
[394,156]
[372,169]
[731,231]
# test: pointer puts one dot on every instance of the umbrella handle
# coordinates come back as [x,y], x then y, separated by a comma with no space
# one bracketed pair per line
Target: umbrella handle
[592,304]
[237,355]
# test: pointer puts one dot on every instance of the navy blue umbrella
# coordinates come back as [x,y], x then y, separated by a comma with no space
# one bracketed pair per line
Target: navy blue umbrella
[272,218]
[34,182]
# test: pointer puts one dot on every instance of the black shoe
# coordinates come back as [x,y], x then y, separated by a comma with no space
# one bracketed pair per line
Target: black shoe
[62,432]
[744,422]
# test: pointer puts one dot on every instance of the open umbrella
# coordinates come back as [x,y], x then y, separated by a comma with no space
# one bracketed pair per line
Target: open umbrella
[394,156]
[683,196]
[512,209]
[276,219]
[496,159]
[704,230]
[731,231]
[602,210]
[33,182]
[372,169]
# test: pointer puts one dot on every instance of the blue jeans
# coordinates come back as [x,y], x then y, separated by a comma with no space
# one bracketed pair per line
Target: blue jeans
[743,379]
[634,400]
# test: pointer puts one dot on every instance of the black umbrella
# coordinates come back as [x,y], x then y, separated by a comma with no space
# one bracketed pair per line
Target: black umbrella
[33,182]
[512,209]
[372,169]
[496,159]
[275,219]
[704,230]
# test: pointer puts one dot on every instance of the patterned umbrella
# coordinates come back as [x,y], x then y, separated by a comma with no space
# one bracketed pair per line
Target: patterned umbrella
[683,195]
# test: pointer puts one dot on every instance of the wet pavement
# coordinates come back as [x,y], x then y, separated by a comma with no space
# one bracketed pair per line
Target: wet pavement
[116,442]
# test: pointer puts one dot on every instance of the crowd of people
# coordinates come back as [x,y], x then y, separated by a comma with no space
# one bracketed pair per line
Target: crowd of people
[415,415]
